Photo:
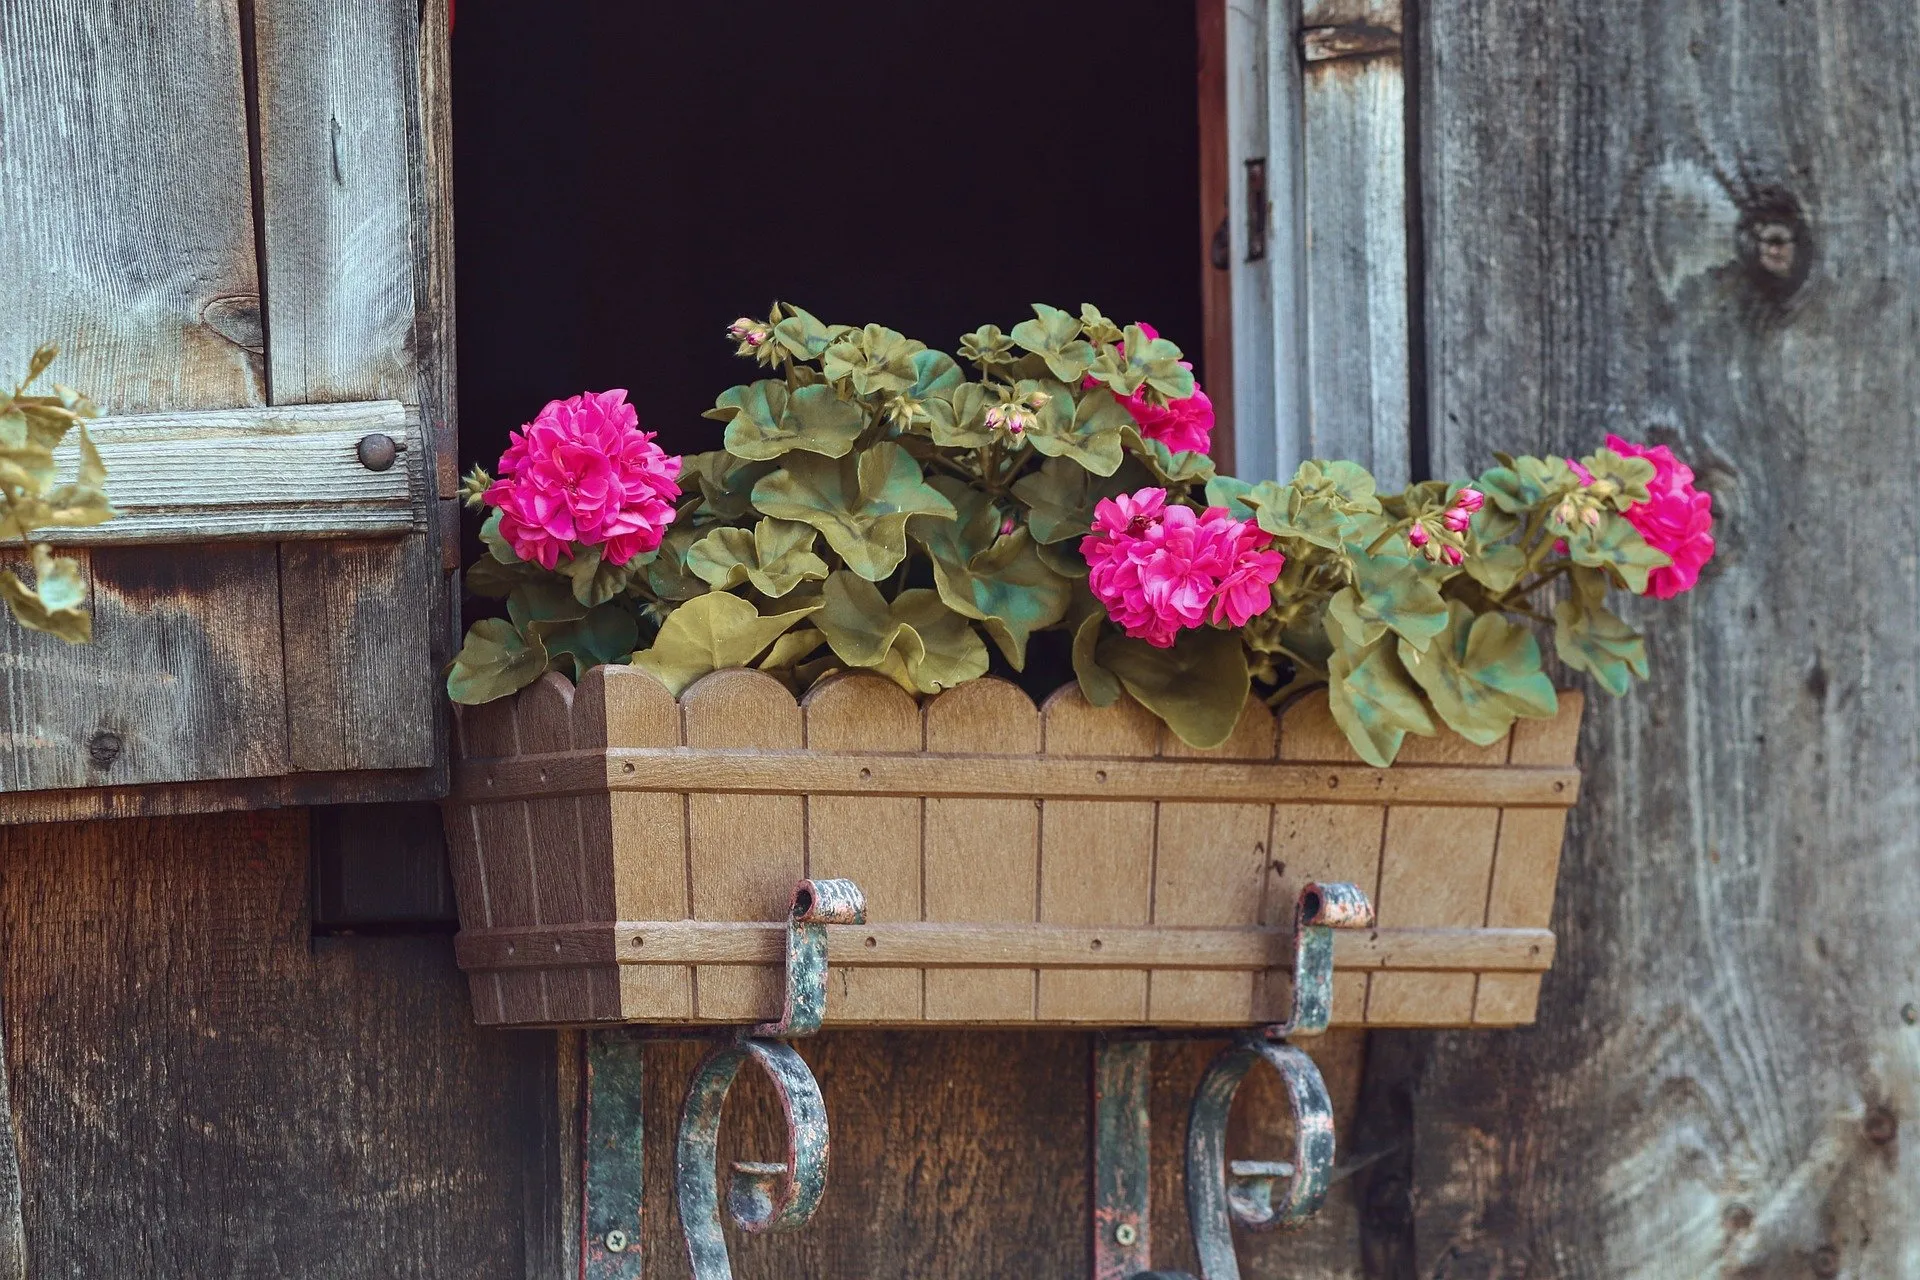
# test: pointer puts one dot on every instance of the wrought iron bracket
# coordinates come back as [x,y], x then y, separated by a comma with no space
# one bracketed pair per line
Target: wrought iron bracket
[1256,1195]
[777,1196]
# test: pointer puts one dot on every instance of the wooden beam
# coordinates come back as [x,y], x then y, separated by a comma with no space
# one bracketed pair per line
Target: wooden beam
[254,475]
[999,946]
[720,771]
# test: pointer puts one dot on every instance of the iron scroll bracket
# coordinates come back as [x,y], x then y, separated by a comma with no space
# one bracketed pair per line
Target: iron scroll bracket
[1221,1194]
[761,1196]
[782,1196]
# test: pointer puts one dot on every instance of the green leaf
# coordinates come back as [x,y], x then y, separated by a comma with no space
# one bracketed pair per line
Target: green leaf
[861,504]
[1097,327]
[1054,336]
[606,634]
[1521,484]
[775,556]
[724,483]
[93,472]
[804,337]
[1060,498]
[998,579]
[56,603]
[667,574]
[1617,547]
[1589,637]
[1087,619]
[1142,361]
[790,648]
[931,646]
[1374,702]
[1389,592]
[1088,432]
[1198,687]
[494,579]
[960,422]
[496,660]
[1628,476]
[873,359]
[710,633]
[1168,467]
[766,420]
[1498,567]
[543,599]
[595,581]
[1481,674]
[1228,492]
[987,346]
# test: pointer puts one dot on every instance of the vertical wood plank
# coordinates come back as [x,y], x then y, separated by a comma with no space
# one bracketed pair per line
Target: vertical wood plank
[1096,857]
[126,235]
[1319,842]
[1216,229]
[556,836]
[340,141]
[643,834]
[982,856]
[1357,299]
[1210,869]
[1526,865]
[875,841]
[745,853]
[505,875]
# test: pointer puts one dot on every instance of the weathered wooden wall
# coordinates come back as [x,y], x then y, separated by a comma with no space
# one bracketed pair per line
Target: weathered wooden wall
[1700,223]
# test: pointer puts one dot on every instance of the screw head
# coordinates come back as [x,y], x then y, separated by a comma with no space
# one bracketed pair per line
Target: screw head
[377,451]
[1910,1014]
[1126,1235]
[1882,1125]
[103,748]
[1826,1262]
[616,1241]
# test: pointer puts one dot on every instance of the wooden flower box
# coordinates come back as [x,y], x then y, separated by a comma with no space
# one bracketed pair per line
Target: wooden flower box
[621,856]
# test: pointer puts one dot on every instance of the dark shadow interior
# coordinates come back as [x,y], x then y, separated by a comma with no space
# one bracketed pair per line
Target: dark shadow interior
[629,178]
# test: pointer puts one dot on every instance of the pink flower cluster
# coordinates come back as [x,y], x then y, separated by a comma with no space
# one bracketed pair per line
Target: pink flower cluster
[1676,518]
[1184,425]
[1457,519]
[1159,569]
[584,473]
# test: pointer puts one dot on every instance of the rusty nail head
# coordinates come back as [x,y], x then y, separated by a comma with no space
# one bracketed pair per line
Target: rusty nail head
[1826,1262]
[377,451]
[1125,1235]
[103,748]
[1882,1125]
[1910,1013]
[616,1241]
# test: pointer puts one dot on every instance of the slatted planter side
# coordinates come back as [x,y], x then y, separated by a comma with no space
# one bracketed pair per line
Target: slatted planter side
[1002,888]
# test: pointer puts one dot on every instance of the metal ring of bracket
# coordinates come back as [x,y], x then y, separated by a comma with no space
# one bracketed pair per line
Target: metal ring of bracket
[1220,1195]
[816,904]
[1317,912]
[761,1197]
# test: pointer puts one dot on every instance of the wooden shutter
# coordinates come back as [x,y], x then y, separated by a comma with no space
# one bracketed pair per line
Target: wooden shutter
[1316,195]
[234,219]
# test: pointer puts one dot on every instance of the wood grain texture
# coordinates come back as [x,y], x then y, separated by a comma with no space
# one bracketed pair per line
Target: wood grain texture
[1215,365]
[1700,223]
[253,475]
[982,856]
[873,841]
[1356,264]
[254,1103]
[126,234]
[1096,857]
[744,853]
[347,223]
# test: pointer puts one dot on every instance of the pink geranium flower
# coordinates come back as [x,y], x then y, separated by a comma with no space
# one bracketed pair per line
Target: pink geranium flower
[582,474]
[1676,518]
[1162,569]
[1184,425]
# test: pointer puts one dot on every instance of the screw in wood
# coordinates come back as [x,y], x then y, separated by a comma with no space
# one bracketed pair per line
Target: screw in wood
[1910,1013]
[616,1241]
[377,451]
[1882,1125]
[104,748]
[1826,1262]
[1125,1235]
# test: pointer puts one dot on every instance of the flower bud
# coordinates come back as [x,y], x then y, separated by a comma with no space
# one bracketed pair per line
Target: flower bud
[1006,526]
[1469,500]
[1418,535]
[1458,520]
[1592,517]
[1454,555]
[1564,513]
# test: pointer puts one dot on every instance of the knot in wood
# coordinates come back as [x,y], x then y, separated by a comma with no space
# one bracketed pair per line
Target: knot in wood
[377,451]
[1826,1262]
[103,748]
[1882,1125]
[1775,243]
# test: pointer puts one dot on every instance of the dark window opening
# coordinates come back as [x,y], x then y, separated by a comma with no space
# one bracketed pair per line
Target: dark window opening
[629,178]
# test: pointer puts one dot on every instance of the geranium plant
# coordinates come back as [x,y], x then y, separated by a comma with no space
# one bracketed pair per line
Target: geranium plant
[878,504]
[33,497]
